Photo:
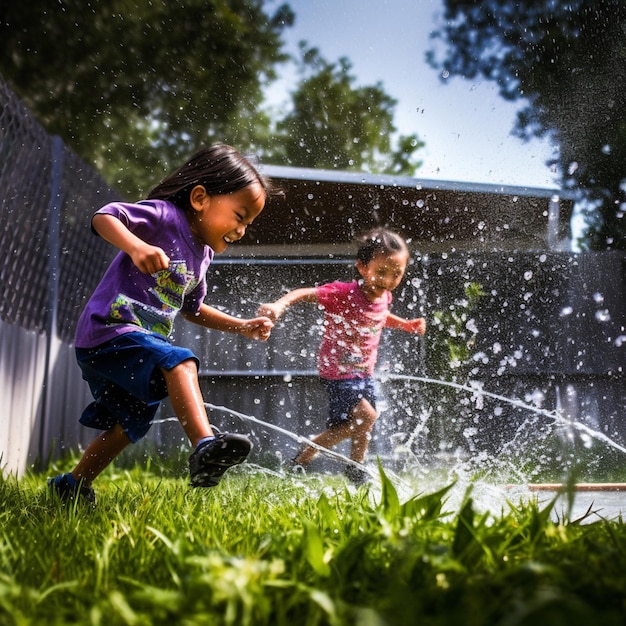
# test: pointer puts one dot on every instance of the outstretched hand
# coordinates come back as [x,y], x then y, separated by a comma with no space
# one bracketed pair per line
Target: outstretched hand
[258,328]
[271,310]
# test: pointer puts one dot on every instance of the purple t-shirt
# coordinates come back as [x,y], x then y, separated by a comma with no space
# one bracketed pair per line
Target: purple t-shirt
[352,330]
[126,300]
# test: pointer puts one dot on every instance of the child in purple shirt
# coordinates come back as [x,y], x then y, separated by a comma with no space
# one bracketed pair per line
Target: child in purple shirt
[355,314]
[166,245]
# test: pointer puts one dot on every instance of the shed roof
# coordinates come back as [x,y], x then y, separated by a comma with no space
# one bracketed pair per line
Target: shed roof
[324,209]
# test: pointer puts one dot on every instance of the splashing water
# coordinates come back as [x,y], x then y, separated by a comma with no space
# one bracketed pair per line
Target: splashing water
[298,438]
[555,415]
[488,496]
[478,393]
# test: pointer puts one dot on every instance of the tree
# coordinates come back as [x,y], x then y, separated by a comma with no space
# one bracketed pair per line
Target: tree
[134,86]
[568,61]
[335,125]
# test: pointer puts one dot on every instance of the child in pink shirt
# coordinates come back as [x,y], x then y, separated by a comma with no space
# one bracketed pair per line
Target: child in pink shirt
[355,314]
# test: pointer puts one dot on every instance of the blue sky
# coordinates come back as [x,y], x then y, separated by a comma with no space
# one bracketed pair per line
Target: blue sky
[466,126]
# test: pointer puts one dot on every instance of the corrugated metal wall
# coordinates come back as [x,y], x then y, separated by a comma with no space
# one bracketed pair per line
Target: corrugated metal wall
[39,407]
[22,365]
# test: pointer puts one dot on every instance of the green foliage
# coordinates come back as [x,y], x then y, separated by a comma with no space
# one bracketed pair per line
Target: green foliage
[334,124]
[266,550]
[566,62]
[451,338]
[135,87]
[449,350]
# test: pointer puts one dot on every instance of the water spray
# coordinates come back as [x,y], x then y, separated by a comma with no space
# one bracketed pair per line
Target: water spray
[479,391]
[298,438]
[476,391]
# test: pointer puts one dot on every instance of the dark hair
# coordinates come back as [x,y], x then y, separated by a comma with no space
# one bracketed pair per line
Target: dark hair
[219,168]
[379,241]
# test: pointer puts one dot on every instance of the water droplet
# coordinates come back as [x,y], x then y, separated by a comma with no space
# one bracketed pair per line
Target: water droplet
[603,315]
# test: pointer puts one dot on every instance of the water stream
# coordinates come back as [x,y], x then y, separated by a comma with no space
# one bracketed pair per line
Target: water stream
[413,478]
[488,494]
[556,415]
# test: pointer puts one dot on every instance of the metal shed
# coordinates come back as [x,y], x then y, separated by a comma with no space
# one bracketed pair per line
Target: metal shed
[324,209]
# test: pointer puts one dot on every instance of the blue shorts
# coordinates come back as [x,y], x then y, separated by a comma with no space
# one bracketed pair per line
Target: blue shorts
[344,395]
[126,381]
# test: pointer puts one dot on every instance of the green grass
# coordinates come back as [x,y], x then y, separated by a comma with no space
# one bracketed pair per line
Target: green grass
[276,550]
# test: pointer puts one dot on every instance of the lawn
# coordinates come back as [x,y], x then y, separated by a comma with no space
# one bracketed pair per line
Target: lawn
[270,548]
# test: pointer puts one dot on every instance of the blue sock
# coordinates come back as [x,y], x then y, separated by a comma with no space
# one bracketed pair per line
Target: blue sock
[204,441]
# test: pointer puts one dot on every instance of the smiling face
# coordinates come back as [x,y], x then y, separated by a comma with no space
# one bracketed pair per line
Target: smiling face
[221,220]
[383,273]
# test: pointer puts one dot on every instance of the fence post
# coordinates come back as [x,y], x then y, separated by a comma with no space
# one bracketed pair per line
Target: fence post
[54,238]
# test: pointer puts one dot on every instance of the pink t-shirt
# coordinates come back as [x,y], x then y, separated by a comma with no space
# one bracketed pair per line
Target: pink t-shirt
[352,330]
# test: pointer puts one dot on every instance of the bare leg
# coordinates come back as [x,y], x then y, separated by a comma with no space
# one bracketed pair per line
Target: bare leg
[327,439]
[187,401]
[186,397]
[99,453]
[362,417]
[358,428]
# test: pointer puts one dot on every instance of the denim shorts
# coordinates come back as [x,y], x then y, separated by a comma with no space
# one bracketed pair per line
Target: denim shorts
[344,395]
[125,378]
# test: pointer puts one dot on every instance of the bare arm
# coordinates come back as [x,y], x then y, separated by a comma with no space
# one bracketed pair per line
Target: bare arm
[417,325]
[274,310]
[148,259]
[257,328]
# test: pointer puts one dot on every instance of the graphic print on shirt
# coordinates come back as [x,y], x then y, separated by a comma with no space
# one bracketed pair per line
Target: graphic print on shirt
[169,289]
